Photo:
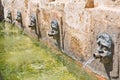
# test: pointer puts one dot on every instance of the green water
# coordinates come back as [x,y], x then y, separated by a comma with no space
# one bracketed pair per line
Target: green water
[24,58]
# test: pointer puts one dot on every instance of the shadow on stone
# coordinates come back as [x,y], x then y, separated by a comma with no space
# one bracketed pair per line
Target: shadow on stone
[1,11]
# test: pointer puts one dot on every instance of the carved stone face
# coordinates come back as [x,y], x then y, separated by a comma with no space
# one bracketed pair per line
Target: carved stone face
[54,28]
[9,16]
[104,49]
[32,21]
[19,17]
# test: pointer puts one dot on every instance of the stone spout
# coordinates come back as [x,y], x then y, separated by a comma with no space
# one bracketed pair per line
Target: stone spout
[52,33]
[32,23]
[19,17]
[97,55]
[54,29]
[9,16]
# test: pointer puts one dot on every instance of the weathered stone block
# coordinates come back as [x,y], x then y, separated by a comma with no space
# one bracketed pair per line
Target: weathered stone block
[58,6]
[44,23]
[77,31]
[62,1]
[109,3]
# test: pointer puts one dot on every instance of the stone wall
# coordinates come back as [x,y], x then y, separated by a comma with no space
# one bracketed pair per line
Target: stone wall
[80,21]
[1,11]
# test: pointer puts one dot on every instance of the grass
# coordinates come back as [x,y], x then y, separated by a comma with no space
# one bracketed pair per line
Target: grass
[23,58]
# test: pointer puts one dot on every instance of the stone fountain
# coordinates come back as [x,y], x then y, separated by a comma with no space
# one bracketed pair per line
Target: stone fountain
[19,19]
[32,23]
[55,33]
[9,17]
[104,50]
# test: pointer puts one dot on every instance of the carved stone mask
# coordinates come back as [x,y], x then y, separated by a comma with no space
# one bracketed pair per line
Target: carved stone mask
[104,49]
[32,21]
[19,17]
[54,28]
[54,24]
[9,15]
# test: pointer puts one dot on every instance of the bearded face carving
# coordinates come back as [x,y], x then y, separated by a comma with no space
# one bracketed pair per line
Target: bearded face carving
[55,33]
[104,49]
[54,29]
[9,15]
[32,24]
[19,17]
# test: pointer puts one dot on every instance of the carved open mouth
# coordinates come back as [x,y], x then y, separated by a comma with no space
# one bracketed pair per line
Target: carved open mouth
[18,19]
[9,17]
[96,56]
[30,26]
[51,33]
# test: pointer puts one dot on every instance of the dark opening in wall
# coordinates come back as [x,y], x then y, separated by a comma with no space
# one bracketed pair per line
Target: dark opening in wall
[51,0]
[1,11]
[89,4]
